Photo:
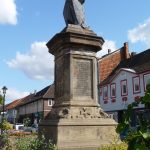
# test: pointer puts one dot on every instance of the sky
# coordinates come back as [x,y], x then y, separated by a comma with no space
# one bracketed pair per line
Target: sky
[27,25]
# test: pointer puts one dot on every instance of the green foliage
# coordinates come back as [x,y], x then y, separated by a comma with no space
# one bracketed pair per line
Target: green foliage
[23,143]
[115,145]
[139,138]
[28,142]
[120,146]
[1,99]
[5,125]
[3,140]
[26,122]
[40,143]
[34,144]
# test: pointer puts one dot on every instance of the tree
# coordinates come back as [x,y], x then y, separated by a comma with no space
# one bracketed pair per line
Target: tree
[5,125]
[139,138]
[26,122]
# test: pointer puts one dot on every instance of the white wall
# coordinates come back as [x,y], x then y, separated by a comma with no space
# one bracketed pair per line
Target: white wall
[119,104]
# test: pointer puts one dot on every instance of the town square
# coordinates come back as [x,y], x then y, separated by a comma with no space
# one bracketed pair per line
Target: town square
[82,78]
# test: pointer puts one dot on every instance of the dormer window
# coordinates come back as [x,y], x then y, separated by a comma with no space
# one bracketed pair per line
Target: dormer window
[146,80]
[113,90]
[124,90]
[136,85]
[105,92]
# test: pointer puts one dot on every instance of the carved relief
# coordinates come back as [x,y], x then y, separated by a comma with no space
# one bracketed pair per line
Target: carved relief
[63,113]
[78,113]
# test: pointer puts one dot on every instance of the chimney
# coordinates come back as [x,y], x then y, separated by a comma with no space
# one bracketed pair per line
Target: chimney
[34,92]
[109,51]
[126,50]
[133,54]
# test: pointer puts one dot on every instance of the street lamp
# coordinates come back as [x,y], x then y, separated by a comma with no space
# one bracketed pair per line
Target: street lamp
[4,93]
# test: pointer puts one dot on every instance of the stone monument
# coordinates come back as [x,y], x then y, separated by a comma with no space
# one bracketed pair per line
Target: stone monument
[74,12]
[77,121]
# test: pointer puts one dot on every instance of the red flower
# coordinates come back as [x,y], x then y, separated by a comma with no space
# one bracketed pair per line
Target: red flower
[137,98]
[113,100]
[124,99]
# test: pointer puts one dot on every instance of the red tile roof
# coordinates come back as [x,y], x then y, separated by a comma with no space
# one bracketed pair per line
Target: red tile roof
[110,61]
[139,63]
[13,104]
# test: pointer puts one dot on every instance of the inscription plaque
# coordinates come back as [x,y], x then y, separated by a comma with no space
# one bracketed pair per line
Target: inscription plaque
[82,77]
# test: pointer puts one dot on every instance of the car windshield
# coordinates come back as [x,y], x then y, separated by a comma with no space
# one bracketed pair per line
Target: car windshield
[21,128]
[34,125]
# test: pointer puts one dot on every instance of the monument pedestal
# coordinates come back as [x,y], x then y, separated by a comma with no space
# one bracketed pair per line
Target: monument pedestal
[80,134]
[76,121]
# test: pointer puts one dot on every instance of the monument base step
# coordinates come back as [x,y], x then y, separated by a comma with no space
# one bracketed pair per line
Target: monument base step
[79,134]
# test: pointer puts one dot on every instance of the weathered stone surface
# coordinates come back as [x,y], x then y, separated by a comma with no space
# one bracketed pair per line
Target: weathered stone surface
[76,121]
[59,66]
[82,77]
[79,112]
[80,134]
[76,37]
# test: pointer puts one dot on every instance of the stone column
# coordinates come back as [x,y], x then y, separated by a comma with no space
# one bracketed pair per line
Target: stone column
[76,121]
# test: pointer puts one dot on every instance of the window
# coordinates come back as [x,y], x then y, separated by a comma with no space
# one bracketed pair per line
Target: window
[113,90]
[124,90]
[50,102]
[14,112]
[136,84]
[105,92]
[146,78]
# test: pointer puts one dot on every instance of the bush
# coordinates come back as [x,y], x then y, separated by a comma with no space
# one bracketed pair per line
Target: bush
[116,144]
[139,138]
[3,140]
[34,144]
[121,146]
[25,142]
[26,122]
[39,144]
[5,125]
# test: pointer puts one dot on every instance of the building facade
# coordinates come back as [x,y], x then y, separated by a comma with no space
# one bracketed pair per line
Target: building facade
[125,82]
[122,80]
[11,111]
[35,106]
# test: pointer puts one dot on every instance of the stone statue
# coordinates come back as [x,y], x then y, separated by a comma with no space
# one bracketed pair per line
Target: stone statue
[74,12]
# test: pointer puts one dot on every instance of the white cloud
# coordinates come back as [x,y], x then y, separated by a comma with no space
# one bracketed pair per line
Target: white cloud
[141,33]
[13,94]
[8,12]
[107,45]
[37,63]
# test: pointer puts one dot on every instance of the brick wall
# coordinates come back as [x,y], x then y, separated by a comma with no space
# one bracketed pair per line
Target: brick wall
[47,108]
[109,62]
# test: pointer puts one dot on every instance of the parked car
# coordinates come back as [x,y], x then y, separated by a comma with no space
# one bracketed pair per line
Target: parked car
[33,128]
[19,126]
[124,134]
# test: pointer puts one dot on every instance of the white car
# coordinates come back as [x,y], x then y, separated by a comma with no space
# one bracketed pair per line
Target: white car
[19,126]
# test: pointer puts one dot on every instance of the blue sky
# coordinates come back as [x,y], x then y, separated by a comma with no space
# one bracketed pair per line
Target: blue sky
[26,25]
